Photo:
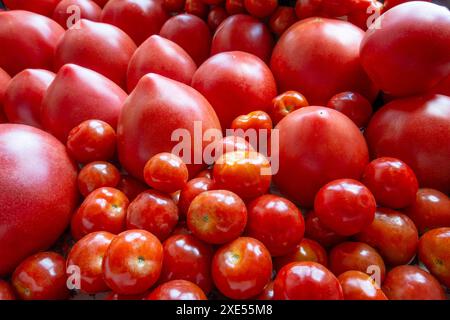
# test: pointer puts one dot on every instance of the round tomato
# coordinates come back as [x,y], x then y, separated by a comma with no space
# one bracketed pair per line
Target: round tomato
[216,16]
[357,285]
[174,5]
[6,291]
[286,103]
[315,230]
[282,19]
[177,290]
[97,174]
[234,6]
[192,189]
[353,105]
[306,250]
[67,11]
[260,9]
[267,293]
[196,7]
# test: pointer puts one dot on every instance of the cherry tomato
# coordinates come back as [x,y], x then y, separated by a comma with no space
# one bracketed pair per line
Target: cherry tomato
[306,281]
[242,268]
[192,189]
[357,285]
[177,290]
[87,255]
[153,211]
[97,174]
[130,186]
[197,8]
[286,103]
[254,120]
[41,277]
[353,105]
[67,11]
[133,262]
[44,7]
[217,216]
[215,17]
[315,230]
[6,291]
[282,19]
[174,5]
[229,144]
[306,250]
[267,293]
[260,9]
[308,8]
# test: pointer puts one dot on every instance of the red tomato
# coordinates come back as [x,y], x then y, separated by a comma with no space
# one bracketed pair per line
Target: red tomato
[315,230]
[254,120]
[41,277]
[412,283]
[87,255]
[181,229]
[6,291]
[353,105]
[286,103]
[235,83]
[282,19]
[242,268]
[197,8]
[192,189]
[4,81]
[103,210]
[325,52]
[388,4]
[131,186]
[38,192]
[434,253]
[217,216]
[242,32]
[215,17]
[133,262]
[207,173]
[430,210]
[153,211]
[306,250]
[67,11]
[308,8]
[73,98]
[177,290]
[393,234]
[306,281]
[229,144]
[267,293]
[24,94]
[260,9]
[234,6]
[357,285]
[24,32]
[155,100]
[101,3]
[302,144]
[276,222]
[138,18]
[365,14]
[44,7]
[174,5]
[419,136]
[97,174]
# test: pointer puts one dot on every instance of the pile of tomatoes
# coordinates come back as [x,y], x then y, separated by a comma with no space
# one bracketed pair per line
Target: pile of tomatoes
[109,110]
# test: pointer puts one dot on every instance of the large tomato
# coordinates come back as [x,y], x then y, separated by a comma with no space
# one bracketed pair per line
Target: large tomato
[38,192]
[154,110]
[27,40]
[44,7]
[409,52]
[319,58]
[317,145]
[417,131]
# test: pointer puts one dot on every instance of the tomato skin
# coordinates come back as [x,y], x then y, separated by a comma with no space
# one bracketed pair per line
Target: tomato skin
[315,230]
[177,290]
[260,9]
[286,103]
[23,96]
[13,26]
[101,3]
[357,285]
[234,7]
[254,120]
[97,174]
[174,5]
[389,4]
[26,231]
[418,137]
[192,189]
[6,291]
[242,268]
[353,105]
[306,250]
[412,283]
[43,7]
[385,53]
[215,17]
[282,19]
[41,277]
[63,12]
[86,254]
[267,293]
[130,186]
[306,281]
[197,8]
[434,253]
[4,82]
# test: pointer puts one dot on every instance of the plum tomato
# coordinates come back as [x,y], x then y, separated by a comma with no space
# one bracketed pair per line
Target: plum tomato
[177,290]
[242,268]
[315,230]
[282,19]
[174,5]
[192,189]
[353,105]
[41,277]
[97,174]
[65,13]
[217,216]
[357,285]
[6,291]
[286,103]
[260,9]
[197,8]
[267,293]
[216,16]
[133,262]
[130,186]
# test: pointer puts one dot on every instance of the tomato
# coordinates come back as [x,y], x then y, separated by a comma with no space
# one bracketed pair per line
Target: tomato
[66,12]
[365,14]
[181,229]
[6,291]
[22,31]
[101,3]
[38,192]
[153,211]
[217,216]
[434,253]
[353,105]
[276,222]
[229,144]
[315,230]
[306,281]
[174,5]
[430,210]
[356,256]
[393,235]
[267,293]
[130,186]
[117,296]
[357,285]
[103,210]
[215,17]
[24,94]
[235,6]
[285,103]
[389,4]
[282,19]
[302,144]
[73,98]
[306,250]
[260,9]
[133,262]
[192,189]
[41,277]
[242,32]
[235,83]
[154,100]
[257,121]
[197,8]
[138,18]
[44,7]
[177,290]
[386,53]
[87,254]
[242,268]
[308,8]
[418,137]
[207,173]
[412,283]
[4,82]
[97,174]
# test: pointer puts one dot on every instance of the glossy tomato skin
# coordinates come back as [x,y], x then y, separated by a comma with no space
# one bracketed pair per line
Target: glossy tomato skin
[235,6]
[267,293]
[302,144]
[24,95]
[254,120]
[177,290]
[197,8]
[13,26]
[418,137]
[72,99]
[133,262]
[286,103]
[282,19]
[101,3]
[33,221]
[306,281]
[357,285]
[43,7]
[389,4]
[41,277]
[130,186]
[6,291]
[393,235]
[308,8]
[412,283]
[434,253]
[87,254]
[242,268]
[64,12]
[216,16]
[192,189]
[229,144]
[97,174]
[242,32]
[353,105]
[260,9]
[276,222]
[174,5]
[315,230]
